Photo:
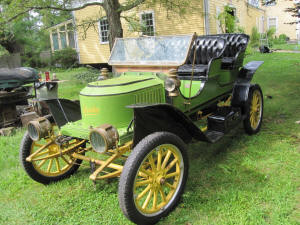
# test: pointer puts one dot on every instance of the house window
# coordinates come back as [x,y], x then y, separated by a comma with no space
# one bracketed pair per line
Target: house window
[272,23]
[104,28]
[71,35]
[55,41]
[63,36]
[254,3]
[147,20]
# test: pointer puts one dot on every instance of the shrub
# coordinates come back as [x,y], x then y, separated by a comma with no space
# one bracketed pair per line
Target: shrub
[65,58]
[89,76]
[254,38]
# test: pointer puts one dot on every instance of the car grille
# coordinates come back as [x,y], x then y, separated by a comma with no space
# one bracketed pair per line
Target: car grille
[149,96]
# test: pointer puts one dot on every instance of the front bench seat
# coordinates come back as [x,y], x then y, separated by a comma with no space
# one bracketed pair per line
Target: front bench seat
[207,49]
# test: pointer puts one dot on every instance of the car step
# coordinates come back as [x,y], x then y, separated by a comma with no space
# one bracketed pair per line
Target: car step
[222,122]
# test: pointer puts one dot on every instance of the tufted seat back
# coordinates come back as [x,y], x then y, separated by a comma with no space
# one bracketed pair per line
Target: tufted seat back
[207,48]
[236,43]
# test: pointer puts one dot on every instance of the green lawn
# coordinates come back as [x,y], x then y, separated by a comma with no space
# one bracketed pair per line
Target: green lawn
[290,47]
[240,180]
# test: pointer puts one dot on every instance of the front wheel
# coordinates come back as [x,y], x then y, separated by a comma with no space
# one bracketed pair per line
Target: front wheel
[153,178]
[254,110]
[48,170]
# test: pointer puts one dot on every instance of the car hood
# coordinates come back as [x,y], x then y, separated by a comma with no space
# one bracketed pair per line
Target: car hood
[120,85]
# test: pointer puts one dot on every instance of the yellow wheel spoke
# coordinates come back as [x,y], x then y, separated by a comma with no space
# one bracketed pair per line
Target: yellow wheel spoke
[159,156]
[57,164]
[142,183]
[145,173]
[166,159]
[49,165]
[42,163]
[171,165]
[145,191]
[41,153]
[154,203]
[172,175]
[169,185]
[68,162]
[37,144]
[162,194]
[147,199]
[151,161]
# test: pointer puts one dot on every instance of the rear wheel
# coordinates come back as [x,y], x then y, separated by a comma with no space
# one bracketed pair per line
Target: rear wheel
[153,178]
[254,110]
[49,170]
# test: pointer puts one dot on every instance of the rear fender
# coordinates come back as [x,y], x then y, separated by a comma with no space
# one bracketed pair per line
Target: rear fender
[243,83]
[163,117]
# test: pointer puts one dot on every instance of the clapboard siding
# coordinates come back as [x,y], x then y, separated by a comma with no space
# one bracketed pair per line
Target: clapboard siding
[166,23]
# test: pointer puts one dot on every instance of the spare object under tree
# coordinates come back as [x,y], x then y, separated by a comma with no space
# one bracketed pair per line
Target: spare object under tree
[165,92]
[13,93]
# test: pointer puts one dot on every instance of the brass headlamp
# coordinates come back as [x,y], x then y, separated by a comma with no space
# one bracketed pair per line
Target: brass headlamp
[172,83]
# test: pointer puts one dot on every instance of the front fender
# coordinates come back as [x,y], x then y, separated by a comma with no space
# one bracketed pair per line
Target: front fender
[164,117]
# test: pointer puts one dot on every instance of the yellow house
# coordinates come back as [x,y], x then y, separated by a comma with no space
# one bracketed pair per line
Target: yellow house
[92,44]
[276,17]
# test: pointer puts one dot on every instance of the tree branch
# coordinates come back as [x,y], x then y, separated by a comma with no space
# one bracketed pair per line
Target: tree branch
[130,5]
[63,8]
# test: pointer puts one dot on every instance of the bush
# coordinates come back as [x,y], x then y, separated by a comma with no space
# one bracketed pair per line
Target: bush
[254,38]
[65,58]
[89,76]
[33,60]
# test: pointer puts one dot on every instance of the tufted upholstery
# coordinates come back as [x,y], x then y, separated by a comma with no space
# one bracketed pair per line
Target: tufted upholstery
[236,45]
[207,49]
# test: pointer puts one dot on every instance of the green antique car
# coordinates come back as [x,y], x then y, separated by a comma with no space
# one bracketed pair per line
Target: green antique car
[165,92]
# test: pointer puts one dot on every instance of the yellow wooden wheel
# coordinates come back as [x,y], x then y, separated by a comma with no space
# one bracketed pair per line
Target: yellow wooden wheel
[45,161]
[158,179]
[254,110]
[51,167]
[153,178]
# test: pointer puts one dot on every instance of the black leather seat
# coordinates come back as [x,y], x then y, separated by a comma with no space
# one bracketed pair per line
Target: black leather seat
[236,45]
[207,49]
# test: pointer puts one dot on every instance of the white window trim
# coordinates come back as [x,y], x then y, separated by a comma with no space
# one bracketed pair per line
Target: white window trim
[268,22]
[250,3]
[56,29]
[218,12]
[153,17]
[100,32]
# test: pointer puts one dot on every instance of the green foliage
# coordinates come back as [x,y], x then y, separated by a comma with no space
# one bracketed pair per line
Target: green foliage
[65,58]
[228,22]
[254,38]
[88,76]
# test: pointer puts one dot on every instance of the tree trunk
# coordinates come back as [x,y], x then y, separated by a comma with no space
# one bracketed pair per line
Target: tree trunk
[111,8]
[11,46]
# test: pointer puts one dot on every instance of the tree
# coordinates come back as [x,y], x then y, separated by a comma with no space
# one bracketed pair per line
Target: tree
[113,9]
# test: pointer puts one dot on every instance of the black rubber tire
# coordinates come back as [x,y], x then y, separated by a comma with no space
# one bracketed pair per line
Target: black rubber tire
[131,167]
[247,124]
[25,149]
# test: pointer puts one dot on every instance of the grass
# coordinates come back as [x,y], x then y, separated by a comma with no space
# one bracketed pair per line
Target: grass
[289,47]
[240,180]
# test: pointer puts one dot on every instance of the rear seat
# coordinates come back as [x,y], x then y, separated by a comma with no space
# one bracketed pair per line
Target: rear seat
[236,45]
[208,48]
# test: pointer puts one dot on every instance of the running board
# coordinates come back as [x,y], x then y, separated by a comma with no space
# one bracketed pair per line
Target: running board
[222,122]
